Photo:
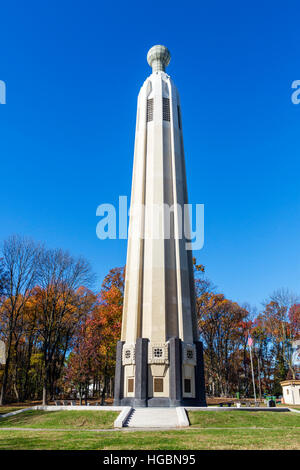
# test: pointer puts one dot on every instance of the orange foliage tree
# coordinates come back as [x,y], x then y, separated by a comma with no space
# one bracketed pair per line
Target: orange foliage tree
[96,342]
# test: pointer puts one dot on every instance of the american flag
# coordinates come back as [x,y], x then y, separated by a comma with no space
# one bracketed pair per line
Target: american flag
[250,341]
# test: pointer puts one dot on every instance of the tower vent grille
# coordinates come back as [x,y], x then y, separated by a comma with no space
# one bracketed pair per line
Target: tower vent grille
[166,109]
[150,110]
[187,386]
[179,117]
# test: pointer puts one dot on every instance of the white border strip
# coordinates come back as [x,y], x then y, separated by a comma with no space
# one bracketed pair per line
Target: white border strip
[64,408]
[277,409]
[76,407]
[183,421]
[121,419]
[12,413]
[294,410]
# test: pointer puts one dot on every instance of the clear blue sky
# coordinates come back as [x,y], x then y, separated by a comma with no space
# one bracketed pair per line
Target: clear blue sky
[73,71]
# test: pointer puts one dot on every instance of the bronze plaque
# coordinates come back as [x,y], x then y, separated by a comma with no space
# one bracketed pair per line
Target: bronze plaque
[130,385]
[158,385]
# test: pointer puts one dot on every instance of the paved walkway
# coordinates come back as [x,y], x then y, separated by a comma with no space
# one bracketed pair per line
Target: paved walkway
[152,418]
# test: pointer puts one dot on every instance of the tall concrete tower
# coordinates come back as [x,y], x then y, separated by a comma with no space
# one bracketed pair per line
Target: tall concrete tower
[159,357]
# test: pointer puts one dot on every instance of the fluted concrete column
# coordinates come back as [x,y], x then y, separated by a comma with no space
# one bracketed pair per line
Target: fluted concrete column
[119,380]
[175,372]
[141,372]
[199,376]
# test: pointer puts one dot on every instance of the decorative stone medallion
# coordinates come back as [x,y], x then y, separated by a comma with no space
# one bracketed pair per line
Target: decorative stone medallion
[189,354]
[158,353]
[128,354]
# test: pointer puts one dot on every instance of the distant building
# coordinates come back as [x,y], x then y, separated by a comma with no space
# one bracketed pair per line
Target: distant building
[291,392]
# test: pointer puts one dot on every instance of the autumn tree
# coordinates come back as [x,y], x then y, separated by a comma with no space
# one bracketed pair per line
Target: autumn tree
[104,327]
[220,323]
[28,352]
[20,262]
[3,281]
[60,307]
[263,358]
[93,356]
[280,319]
[80,365]
[294,319]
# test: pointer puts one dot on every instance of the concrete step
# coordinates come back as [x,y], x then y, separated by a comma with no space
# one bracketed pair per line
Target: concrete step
[153,418]
[129,418]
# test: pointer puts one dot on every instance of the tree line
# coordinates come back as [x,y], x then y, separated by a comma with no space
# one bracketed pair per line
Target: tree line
[225,328]
[60,335]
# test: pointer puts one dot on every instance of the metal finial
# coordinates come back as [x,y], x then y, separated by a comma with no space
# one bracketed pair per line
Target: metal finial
[158,58]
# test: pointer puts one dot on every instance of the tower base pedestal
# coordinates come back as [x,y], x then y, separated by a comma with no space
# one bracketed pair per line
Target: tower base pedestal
[159,403]
[141,396]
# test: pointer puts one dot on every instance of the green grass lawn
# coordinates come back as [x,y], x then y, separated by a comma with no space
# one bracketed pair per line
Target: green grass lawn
[235,419]
[61,419]
[163,440]
[219,430]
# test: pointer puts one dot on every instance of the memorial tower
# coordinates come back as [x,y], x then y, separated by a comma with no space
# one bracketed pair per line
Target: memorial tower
[159,358]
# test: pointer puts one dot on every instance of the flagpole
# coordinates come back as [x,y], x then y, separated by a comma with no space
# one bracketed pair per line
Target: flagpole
[259,377]
[252,373]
